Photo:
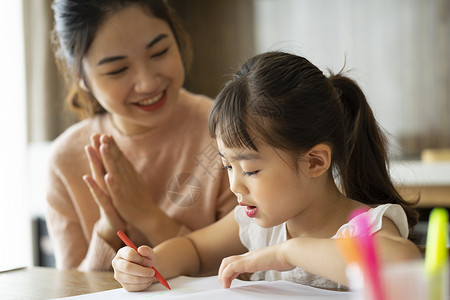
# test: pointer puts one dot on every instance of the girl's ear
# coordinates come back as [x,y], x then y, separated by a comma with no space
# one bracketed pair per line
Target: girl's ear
[319,160]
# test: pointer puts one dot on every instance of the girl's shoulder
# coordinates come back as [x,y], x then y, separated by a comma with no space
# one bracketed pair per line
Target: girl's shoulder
[394,212]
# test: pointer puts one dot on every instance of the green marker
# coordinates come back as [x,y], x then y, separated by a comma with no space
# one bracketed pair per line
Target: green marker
[436,255]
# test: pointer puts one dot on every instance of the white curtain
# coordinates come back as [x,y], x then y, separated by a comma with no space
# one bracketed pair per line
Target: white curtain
[398,50]
[15,250]
[47,113]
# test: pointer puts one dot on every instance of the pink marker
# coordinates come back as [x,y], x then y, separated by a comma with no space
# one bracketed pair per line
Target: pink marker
[370,259]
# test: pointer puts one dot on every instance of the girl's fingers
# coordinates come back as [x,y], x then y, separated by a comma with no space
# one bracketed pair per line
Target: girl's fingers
[129,255]
[134,287]
[128,278]
[147,252]
[132,269]
[133,272]
[135,278]
[227,272]
[227,276]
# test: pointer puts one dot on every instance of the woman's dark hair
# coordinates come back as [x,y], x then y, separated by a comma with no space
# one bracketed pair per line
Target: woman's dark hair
[291,105]
[76,24]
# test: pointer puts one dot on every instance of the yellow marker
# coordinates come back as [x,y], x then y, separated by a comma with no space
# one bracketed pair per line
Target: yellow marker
[436,255]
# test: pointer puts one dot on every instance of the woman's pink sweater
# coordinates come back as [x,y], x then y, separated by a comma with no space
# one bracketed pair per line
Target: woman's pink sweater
[178,161]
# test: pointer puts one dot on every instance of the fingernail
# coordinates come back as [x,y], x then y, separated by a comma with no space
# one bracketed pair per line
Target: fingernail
[104,148]
[108,178]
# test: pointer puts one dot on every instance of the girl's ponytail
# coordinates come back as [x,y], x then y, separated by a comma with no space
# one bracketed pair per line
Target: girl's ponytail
[364,172]
[289,103]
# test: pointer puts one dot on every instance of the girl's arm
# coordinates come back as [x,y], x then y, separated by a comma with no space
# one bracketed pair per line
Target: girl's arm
[317,256]
[199,252]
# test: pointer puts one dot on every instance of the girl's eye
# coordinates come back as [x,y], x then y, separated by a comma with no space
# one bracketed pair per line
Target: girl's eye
[226,168]
[250,173]
[160,53]
[117,71]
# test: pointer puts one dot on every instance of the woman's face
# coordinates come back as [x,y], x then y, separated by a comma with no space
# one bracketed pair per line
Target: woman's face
[134,69]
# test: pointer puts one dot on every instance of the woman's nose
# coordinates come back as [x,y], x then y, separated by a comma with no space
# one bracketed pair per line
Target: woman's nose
[147,80]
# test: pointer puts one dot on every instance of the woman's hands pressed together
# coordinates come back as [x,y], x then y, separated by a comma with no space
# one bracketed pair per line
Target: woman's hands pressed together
[133,270]
[128,192]
[122,195]
[110,219]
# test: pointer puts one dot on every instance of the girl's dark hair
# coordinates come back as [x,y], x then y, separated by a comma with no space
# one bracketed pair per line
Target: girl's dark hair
[76,24]
[291,105]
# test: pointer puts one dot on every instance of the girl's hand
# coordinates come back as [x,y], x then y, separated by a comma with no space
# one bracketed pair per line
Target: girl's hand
[110,219]
[133,270]
[270,258]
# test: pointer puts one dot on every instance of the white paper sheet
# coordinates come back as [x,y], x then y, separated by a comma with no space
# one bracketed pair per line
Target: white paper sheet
[209,288]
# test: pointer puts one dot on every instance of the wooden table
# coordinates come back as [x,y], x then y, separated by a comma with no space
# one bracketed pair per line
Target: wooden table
[48,283]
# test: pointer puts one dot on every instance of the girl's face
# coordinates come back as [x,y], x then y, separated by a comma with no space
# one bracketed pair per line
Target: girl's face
[134,69]
[265,183]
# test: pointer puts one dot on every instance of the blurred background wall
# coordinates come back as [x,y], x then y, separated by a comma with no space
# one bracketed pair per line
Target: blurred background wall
[398,50]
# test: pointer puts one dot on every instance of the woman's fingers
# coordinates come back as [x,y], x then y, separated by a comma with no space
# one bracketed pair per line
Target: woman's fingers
[102,199]
[125,186]
[109,214]
[113,158]
[95,141]
[96,165]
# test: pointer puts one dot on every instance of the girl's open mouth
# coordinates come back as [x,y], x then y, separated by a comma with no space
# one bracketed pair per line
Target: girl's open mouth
[251,211]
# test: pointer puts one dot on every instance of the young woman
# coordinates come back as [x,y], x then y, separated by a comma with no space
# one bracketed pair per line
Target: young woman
[286,134]
[141,159]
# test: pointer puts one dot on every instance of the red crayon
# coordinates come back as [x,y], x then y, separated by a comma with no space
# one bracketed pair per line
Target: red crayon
[129,243]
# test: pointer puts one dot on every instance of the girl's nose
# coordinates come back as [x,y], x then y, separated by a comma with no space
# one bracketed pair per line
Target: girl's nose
[237,186]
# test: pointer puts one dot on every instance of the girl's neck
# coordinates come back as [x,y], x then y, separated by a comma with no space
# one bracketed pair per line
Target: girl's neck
[324,216]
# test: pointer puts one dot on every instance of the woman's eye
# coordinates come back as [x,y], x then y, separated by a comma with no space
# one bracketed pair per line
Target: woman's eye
[250,173]
[117,71]
[160,53]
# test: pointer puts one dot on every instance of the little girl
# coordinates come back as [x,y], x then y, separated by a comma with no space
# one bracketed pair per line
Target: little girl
[287,135]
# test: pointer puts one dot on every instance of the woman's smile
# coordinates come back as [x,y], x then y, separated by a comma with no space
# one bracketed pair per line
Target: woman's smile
[154,103]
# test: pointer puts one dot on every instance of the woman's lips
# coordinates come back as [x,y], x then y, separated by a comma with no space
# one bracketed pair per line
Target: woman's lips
[153,104]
